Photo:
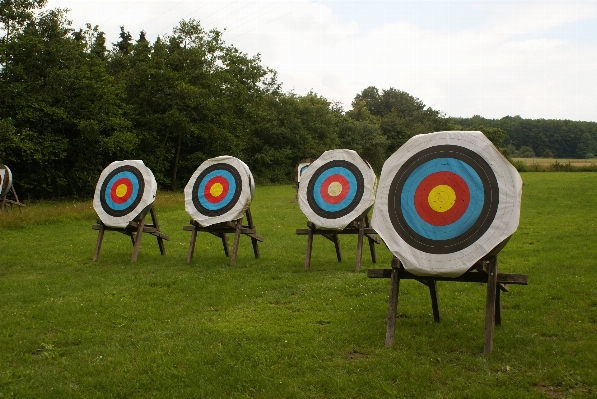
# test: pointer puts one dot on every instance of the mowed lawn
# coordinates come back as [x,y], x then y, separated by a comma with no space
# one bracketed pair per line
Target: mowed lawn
[265,328]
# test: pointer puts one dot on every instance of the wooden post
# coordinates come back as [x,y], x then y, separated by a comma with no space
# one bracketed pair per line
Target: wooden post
[393,302]
[434,299]
[492,288]
[254,241]
[361,224]
[192,244]
[371,241]
[336,238]
[138,235]
[309,249]
[100,237]
[239,225]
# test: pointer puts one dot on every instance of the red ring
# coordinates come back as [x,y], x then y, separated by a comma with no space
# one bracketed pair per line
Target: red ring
[453,214]
[206,191]
[129,190]
[323,191]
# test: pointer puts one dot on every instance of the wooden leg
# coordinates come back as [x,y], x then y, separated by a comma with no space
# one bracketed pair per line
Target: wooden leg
[309,248]
[498,307]
[192,244]
[434,299]
[253,240]
[17,199]
[492,288]
[3,207]
[225,244]
[360,244]
[393,303]
[154,217]
[371,242]
[239,224]
[100,238]
[337,244]
[138,236]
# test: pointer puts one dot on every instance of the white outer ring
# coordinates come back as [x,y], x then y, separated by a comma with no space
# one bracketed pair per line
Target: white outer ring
[369,181]
[5,175]
[504,225]
[244,200]
[148,196]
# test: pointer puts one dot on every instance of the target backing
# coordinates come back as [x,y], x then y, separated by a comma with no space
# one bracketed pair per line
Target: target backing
[336,189]
[220,190]
[301,168]
[5,179]
[125,192]
[445,200]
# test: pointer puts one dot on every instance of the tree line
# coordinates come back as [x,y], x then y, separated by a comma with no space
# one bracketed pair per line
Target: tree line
[70,104]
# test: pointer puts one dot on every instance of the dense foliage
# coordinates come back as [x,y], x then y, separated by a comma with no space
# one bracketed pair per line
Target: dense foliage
[69,106]
[542,137]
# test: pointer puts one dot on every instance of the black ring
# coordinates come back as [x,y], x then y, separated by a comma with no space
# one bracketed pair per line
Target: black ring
[128,209]
[360,189]
[233,201]
[481,225]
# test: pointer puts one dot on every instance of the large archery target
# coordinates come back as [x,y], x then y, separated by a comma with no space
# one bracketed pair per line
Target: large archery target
[220,190]
[336,189]
[445,200]
[125,191]
[5,179]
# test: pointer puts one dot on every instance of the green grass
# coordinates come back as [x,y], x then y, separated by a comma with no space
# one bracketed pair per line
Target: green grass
[265,328]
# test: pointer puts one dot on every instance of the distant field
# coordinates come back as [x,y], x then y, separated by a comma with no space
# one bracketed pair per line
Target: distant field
[551,161]
[266,328]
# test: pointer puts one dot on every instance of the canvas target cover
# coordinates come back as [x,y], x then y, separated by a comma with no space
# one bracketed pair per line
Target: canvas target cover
[337,188]
[445,200]
[220,190]
[124,192]
[5,179]
[301,168]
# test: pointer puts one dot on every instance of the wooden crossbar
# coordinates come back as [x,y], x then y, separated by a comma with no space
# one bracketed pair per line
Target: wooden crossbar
[134,230]
[484,271]
[360,226]
[220,230]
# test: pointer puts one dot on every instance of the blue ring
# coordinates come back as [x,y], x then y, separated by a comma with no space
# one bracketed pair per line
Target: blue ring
[470,216]
[134,182]
[224,201]
[352,181]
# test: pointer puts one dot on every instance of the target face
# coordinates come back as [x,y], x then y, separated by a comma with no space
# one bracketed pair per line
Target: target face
[220,190]
[446,200]
[125,191]
[339,187]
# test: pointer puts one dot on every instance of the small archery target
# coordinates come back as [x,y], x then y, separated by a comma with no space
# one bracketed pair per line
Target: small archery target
[336,189]
[446,200]
[301,168]
[220,190]
[5,179]
[124,193]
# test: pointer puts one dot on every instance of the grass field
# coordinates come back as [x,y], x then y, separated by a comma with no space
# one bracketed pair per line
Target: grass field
[551,161]
[265,328]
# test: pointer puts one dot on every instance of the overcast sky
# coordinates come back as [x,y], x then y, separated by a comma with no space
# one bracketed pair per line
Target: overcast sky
[536,59]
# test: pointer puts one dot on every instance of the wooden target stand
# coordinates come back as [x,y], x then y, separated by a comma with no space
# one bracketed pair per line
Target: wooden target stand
[484,271]
[134,230]
[359,226]
[220,230]
[6,202]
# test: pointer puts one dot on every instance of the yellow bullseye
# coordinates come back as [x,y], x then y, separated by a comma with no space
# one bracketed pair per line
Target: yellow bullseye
[121,190]
[216,189]
[441,198]
[334,189]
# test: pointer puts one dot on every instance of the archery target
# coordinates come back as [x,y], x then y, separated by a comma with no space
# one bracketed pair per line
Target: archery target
[5,179]
[445,200]
[336,189]
[220,190]
[125,192]
[301,168]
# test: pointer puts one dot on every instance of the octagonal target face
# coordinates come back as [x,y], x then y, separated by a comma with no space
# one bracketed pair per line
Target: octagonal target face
[125,191]
[446,200]
[220,190]
[336,189]
[5,179]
